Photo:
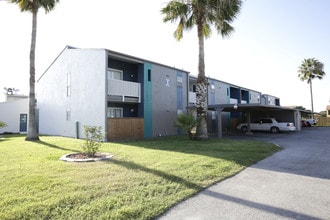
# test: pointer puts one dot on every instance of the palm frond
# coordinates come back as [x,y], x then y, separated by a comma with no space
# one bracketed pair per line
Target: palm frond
[207,31]
[310,69]
[207,13]
[178,33]
[173,11]
[31,5]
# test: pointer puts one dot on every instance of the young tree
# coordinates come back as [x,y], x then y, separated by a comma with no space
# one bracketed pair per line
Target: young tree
[202,14]
[2,124]
[310,69]
[33,6]
[93,138]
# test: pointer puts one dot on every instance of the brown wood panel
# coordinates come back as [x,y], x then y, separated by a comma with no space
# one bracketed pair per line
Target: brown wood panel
[323,121]
[125,128]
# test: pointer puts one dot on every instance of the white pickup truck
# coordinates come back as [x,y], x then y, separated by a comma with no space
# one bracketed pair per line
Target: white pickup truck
[267,124]
[311,121]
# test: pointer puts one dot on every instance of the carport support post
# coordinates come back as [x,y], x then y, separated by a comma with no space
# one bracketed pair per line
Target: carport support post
[219,110]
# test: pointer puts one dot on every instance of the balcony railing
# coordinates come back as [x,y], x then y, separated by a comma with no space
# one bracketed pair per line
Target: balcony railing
[233,101]
[124,89]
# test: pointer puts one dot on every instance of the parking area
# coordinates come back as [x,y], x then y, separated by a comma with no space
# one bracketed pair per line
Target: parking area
[262,135]
[294,183]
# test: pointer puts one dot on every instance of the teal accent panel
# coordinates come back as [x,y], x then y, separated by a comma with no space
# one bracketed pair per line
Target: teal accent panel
[179,102]
[179,92]
[228,94]
[147,97]
[179,98]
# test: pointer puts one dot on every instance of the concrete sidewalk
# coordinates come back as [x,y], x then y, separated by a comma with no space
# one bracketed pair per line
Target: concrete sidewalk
[292,184]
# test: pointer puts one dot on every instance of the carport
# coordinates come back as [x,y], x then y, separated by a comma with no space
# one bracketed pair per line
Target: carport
[254,111]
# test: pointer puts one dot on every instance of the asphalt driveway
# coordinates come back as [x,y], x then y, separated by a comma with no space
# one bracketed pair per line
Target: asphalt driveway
[291,184]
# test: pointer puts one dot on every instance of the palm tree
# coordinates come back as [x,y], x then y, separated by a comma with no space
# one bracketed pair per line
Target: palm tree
[33,7]
[310,69]
[203,14]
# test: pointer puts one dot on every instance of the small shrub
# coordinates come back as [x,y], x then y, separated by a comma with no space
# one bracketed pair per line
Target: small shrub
[186,122]
[94,136]
[2,124]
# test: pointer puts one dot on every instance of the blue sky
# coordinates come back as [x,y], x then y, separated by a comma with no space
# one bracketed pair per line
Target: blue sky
[271,39]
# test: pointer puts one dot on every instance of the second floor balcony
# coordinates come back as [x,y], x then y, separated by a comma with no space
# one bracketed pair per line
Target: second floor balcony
[123,91]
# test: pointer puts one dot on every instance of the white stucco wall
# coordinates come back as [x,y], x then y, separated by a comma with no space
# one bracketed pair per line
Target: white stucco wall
[87,102]
[10,113]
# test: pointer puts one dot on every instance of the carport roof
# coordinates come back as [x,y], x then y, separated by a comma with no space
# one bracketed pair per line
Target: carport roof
[249,108]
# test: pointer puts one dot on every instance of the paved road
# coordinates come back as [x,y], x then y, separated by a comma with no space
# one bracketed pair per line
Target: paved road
[291,184]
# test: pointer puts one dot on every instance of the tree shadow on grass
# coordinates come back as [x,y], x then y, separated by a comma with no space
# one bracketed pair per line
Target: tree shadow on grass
[169,177]
[8,136]
[210,192]
[3,139]
[242,152]
[55,146]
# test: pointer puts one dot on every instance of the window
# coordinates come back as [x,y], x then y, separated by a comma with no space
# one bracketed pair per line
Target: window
[179,79]
[194,88]
[68,84]
[115,113]
[263,121]
[68,115]
[149,75]
[115,74]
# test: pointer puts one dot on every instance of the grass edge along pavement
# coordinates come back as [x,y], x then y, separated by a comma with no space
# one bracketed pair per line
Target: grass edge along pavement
[142,180]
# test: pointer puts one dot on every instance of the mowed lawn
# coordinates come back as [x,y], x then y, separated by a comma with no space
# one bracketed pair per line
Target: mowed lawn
[141,181]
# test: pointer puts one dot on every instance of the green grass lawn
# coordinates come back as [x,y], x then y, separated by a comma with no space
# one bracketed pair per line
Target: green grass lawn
[141,181]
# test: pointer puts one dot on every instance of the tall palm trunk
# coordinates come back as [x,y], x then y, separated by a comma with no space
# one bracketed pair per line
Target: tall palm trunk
[201,90]
[311,88]
[32,133]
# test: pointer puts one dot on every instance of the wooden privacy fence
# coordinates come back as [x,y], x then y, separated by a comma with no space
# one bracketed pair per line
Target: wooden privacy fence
[323,121]
[125,128]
